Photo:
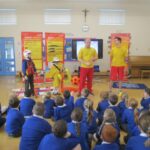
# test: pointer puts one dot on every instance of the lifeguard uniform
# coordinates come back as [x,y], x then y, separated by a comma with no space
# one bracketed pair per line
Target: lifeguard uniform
[86,71]
[118,63]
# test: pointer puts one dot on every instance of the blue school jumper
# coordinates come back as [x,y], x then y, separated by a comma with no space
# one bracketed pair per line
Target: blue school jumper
[102,106]
[145,103]
[83,134]
[14,122]
[80,102]
[26,106]
[34,129]
[62,112]
[107,146]
[70,103]
[137,142]
[51,142]
[135,131]
[122,106]
[128,118]
[92,126]
[49,108]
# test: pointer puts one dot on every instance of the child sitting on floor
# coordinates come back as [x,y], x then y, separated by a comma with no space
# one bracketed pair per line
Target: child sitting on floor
[61,111]
[49,105]
[26,104]
[60,139]
[14,118]
[2,120]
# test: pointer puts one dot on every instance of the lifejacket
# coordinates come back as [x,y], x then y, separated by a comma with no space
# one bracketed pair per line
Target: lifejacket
[30,67]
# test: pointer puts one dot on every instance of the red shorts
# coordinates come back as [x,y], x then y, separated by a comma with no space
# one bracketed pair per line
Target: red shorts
[117,73]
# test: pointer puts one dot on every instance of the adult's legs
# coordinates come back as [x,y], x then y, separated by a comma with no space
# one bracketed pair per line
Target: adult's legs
[31,82]
[89,79]
[27,84]
[83,75]
[120,76]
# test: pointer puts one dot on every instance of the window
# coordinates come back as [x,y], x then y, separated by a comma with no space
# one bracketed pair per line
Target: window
[8,17]
[112,17]
[57,16]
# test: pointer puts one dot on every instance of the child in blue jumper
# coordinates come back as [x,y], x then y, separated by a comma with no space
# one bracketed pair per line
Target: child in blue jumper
[49,105]
[123,104]
[80,101]
[79,128]
[102,105]
[14,118]
[90,118]
[69,100]
[61,110]
[145,102]
[108,135]
[142,141]
[113,100]
[60,139]
[109,117]
[26,104]
[34,129]
[128,117]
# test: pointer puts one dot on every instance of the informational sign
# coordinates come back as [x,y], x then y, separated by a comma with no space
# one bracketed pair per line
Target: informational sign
[33,42]
[54,46]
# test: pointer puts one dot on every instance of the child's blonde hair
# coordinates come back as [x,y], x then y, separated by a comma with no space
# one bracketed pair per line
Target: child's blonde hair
[144,123]
[88,104]
[133,103]
[109,116]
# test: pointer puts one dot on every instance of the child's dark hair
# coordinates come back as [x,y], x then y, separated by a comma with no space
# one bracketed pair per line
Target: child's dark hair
[60,128]
[59,100]
[88,104]
[14,101]
[85,92]
[38,109]
[66,94]
[147,90]
[144,123]
[27,93]
[104,95]
[76,116]
[46,96]
[119,39]
[113,99]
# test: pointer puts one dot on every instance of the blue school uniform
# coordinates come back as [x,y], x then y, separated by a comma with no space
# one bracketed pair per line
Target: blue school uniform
[51,142]
[122,106]
[145,103]
[26,106]
[83,133]
[92,126]
[135,131]
[70,103]
[34,129]
[102,106]
[49,108]
[128,118]
[62,112]
[107,146]
[80,102]
[14,122]
[137,142]
[116,110]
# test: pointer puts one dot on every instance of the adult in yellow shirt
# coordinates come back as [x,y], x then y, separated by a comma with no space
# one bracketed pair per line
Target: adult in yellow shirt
[87,57]
[118,61]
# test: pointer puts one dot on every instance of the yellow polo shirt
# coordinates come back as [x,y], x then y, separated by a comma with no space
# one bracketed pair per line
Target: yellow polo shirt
[86,54]
[118,55]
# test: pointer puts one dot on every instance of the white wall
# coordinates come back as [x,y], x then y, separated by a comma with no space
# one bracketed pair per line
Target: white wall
[30,18]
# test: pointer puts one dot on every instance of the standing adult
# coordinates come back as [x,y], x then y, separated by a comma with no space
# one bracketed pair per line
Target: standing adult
[28,70]
[87,57]
[118,61]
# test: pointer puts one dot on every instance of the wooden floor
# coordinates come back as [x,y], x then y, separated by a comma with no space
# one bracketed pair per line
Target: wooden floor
[9,83]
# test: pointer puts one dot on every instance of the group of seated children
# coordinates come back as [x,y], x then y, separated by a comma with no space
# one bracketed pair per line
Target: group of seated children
[77,126]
